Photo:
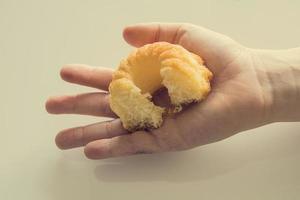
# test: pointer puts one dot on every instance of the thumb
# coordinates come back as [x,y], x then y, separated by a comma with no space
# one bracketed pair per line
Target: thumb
[140,34]
[215,48]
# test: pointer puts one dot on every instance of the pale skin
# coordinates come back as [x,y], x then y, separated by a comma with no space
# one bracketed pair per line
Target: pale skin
[250,88]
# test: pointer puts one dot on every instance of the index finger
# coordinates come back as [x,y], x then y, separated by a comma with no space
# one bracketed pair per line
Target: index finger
[97,77]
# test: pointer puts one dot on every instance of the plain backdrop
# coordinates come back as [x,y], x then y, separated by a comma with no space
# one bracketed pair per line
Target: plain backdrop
[37,37]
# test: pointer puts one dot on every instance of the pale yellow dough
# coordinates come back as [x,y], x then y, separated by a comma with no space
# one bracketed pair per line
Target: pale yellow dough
[148,69]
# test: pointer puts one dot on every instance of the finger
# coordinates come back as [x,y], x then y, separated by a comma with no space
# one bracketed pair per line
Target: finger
[135,143]
[97,77]
[96,104]
[80,136]
[141,34]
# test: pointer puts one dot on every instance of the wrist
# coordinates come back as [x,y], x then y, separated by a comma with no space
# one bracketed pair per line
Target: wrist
[280,83]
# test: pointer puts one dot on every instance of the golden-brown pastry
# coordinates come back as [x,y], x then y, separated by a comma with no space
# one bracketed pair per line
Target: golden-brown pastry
[148,69]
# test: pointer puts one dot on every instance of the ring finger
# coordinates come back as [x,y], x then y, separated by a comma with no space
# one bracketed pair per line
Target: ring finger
[80,136]
[96,104]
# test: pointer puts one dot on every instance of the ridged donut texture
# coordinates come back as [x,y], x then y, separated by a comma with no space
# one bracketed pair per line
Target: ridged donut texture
[148,69]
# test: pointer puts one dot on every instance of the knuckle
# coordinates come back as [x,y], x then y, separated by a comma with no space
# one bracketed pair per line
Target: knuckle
[75,106]
[171,139]
[78,134]
[108,128]
[142,143]
[104,106]
[158,33]
[164,140]
[186,27]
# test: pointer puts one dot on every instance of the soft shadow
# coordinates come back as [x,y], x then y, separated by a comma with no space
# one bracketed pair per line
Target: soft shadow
[202,163]
[174,167]
[67,176]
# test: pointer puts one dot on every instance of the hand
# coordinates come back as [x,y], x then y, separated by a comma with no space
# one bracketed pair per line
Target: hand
[238,100]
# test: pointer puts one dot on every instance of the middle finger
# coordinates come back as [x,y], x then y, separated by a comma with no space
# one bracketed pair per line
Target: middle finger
[96,104]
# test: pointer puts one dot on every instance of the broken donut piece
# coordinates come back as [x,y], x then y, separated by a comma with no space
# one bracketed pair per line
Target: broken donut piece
[148,69]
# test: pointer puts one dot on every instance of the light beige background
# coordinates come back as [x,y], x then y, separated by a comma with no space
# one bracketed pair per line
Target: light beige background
[38,37]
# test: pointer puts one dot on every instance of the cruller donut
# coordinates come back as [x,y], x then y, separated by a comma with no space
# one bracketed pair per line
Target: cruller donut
[148,69]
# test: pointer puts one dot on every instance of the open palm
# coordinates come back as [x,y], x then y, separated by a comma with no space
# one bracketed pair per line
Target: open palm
[236,102]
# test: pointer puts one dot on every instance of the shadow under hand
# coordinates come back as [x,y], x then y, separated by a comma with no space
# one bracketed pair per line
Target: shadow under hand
[172,167]
[267,145]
